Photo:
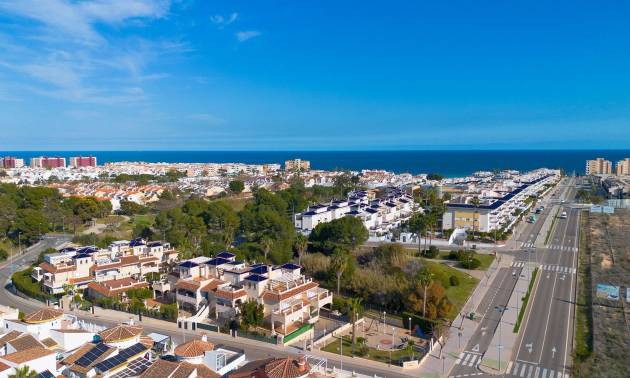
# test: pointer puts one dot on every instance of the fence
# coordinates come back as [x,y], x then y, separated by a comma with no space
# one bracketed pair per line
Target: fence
[297,332]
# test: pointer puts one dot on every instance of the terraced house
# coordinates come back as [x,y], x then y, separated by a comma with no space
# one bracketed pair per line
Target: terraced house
[216,287]
[122,264]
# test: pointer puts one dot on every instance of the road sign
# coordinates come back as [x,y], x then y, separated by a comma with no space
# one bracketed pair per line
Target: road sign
[553,352]
[475,348]
[529,347]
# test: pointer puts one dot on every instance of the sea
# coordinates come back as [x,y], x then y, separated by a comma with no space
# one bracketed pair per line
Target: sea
[448,163]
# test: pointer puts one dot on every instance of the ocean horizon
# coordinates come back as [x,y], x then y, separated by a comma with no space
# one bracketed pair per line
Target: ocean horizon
[449,163]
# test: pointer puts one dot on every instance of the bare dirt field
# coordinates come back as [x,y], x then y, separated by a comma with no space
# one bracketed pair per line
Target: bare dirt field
[603,321]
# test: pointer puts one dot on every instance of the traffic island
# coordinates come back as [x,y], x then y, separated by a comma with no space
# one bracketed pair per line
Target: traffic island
[495,360]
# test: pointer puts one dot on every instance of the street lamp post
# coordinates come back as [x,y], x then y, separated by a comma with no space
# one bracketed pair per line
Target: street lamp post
[410,326]
[501,310]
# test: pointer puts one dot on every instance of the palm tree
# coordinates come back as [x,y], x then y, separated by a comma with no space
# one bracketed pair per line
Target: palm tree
[301,243]
[24,372]
[475,202]
[339,263]
[424,279]
[354,310]
[418,225]
[266,243]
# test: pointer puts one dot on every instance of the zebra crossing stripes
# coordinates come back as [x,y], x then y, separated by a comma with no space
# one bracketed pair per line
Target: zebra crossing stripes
[518,264]
[524,370]
[562,248]
[468,359]
[527,245]
[559,269]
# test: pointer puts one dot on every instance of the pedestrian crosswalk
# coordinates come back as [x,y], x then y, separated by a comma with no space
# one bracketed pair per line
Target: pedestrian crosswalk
[525,370]
[468,359]
[527,245]
[559,269]
[548,268]
[562,248]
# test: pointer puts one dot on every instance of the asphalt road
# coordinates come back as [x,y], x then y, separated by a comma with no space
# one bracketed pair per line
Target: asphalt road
[252,350]
[545,344]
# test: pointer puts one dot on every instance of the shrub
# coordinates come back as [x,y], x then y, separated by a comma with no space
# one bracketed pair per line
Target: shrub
[440,276]
[471,263]
[3,254]
[24,284]
[432,252]
[454,280]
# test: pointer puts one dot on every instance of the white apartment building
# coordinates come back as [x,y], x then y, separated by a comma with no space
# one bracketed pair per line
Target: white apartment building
[122,259]
[378,215]
[217,287]
[495,213]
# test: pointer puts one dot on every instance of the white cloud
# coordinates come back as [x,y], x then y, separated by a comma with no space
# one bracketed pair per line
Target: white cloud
[66,55]
[243,36]
[76,20]
[222,21]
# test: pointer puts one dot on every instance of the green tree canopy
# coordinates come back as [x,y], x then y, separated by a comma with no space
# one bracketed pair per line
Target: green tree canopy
[347,233]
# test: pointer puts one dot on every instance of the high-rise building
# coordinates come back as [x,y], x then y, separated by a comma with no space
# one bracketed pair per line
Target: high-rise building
[48,162]
[9,162]
[297,165]
[82,161]
[623,167]
[599,166]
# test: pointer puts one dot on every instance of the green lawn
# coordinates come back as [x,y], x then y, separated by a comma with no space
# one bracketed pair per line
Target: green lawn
[458,295]
[486,259]
[373,354]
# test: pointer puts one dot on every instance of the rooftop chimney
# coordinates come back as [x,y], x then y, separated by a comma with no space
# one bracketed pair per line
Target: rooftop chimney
[204,338]
[301,362]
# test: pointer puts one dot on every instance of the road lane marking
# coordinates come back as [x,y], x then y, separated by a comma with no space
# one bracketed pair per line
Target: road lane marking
[466,359]
[537,372]
[523,370]
[529,371]
[459,359]
[544,374]
[509,367]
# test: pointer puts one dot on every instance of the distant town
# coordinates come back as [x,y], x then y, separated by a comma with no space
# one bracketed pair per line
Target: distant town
[132,269]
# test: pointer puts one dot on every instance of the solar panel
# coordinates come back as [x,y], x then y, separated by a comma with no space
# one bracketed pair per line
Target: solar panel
[92,355]
[45,374]
[121,357]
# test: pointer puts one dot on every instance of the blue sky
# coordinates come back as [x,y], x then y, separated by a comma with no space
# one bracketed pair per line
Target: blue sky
[290,75]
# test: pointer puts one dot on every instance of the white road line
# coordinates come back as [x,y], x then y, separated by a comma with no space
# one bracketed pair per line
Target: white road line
[523,370]
[516,366]
[509,367]
[472,361]
[536,372]
[544,374]
[559,374]
[529,371]
[459,359]
[466,359]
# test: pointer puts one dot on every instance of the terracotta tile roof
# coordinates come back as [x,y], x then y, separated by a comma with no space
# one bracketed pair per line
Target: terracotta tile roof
[277,297]
[42,315]
[171,369]
[187,285]
[289,367]
[194,348]
[49,342]
[70,330]
[81,279]
[25,342]
[120,332]
[78,353]
[4,367]
[53,269]
[202,371]
[9,336]
[231,295]
[114,287]
[212,285]
[27,355]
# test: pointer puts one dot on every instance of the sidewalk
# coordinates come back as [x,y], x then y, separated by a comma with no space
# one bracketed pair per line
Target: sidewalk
[499,353]
[440,364]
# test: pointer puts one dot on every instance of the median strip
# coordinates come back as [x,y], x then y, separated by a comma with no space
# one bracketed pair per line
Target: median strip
[553,223]
[521,313]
